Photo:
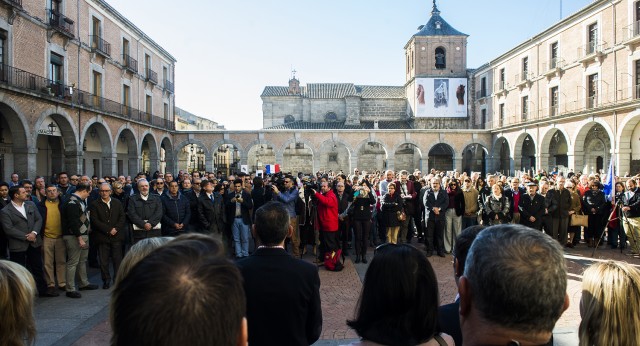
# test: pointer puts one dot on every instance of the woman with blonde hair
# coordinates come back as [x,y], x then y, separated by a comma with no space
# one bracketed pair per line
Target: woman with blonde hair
[610,299]
[17,292]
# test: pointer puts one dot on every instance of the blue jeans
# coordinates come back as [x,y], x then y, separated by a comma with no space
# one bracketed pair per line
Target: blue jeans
[468,221]
[240,237]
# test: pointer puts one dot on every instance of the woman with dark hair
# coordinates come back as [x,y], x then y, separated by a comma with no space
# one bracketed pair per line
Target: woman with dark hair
[399,307]
[360,216]
[392,205]
[614,227]
[483,192]
[257,194]
[593,205]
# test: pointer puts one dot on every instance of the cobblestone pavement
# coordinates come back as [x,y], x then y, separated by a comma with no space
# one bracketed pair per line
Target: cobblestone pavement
[83,322]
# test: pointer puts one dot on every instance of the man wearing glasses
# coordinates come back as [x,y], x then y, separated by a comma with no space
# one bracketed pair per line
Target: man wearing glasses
[107,223]
[288,197]
[159,187]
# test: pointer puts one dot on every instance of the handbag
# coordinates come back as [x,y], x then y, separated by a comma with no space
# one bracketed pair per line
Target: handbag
[401,215]
[579,220]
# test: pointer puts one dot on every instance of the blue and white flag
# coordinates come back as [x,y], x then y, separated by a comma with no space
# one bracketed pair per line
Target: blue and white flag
[609,182]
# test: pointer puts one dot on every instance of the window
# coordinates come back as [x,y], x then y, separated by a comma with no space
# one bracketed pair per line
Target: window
[501,114]
[56,68]
[592,90]
[592,39]
[166,110]
[483,116]
[525,68]
[125,47]
[333,157]
[96,27]
[554,55]
[147,63]
[97,83]
[126,99]
[148,105]
[483,87]
[3,48]
[165,74]
[501,79]
[636,26]
[441,58]
[553,101]
[55,5]
[525,107]
[407,62]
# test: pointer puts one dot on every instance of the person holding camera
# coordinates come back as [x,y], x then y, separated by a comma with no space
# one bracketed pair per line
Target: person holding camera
[238,203]
[288,196]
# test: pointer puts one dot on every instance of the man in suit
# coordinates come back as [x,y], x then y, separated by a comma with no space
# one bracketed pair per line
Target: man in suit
[409,196]
[532,207]
[211,211]
[514,193]
[22,224]
[4,200]
[145,213]
[560,215]
[238,203]
[436,202]
[107,222]
[280,289]
[448,316]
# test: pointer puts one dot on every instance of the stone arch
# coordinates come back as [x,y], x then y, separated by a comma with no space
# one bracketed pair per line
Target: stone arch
[501,155]
[15,141]
[149,158]
[441,157]
[126,151]
[407,156]
[335,155]
[166,155]
[181,157]
[97,144]
[628,148]
[373,155]
[592,148]
[525,150]
[234,161]
[554,149]
[474,158]
[57,152]
[259,154]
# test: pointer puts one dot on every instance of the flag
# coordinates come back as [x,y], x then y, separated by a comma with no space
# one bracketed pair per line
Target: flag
[609,182]
[271,169]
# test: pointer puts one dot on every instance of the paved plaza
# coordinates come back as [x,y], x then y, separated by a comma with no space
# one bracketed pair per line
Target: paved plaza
[84,322]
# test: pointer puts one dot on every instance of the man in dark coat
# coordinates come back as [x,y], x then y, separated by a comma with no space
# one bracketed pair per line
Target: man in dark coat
[108,222]
[280,289]
[145,213]
[211,211]
[532,207]
[238,203]
[514,193]
[560,215]
[436,202]
[177,211]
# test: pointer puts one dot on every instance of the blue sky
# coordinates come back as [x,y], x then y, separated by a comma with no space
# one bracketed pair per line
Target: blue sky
[228,51]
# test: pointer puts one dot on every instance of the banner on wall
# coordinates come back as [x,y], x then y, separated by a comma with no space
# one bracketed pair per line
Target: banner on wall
[440,97]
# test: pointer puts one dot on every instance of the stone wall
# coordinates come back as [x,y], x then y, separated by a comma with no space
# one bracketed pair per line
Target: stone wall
[383,109]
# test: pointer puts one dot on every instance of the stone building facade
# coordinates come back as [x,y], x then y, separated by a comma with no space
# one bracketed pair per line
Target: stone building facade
[82,89]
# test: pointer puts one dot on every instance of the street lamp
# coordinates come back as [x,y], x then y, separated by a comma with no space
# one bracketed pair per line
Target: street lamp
[52,128]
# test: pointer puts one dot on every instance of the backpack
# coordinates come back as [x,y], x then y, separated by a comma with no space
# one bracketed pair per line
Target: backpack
[332,260]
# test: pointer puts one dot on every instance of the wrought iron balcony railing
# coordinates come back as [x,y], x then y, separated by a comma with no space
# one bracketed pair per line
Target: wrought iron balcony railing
[32,83]
[129,63]
[168,86]
[100,46]
[151,76]
[62,24]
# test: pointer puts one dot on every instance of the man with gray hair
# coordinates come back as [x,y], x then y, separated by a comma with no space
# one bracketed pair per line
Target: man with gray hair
[145,212]
[514,287]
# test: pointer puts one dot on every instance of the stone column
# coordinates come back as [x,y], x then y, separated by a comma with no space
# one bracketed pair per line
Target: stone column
[73,162]
[133,166]
[623,161]
[109,164]
[24,162]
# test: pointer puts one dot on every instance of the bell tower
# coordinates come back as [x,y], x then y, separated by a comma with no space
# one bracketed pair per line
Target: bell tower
[436,72]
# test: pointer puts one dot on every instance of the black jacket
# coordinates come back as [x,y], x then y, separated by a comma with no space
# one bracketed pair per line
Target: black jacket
[442,202]
[245,206]
[593,199]
[562,203]
[632,202]
[176,210]
[140,210]
[361,207]
[104,219]
[531,206]
[211,213]
[390,206]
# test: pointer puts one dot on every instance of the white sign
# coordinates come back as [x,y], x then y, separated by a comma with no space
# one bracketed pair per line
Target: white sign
[244,169]
[440,97]
[259,173]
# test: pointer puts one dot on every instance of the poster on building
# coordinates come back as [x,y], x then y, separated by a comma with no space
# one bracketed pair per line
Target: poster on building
[440,97]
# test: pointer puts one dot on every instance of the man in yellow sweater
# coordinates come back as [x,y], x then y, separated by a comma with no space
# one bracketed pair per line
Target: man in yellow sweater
[54,248]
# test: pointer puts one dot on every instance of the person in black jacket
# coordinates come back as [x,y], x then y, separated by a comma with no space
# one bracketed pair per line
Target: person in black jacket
[392,204]
[177,211]
[211,211]
[107,222]
[532,207]
[453,215]
[145,213]
[281,290]
[560,216]
[436,202]
[360,215]
[631,220]
[593,204]
[514,193]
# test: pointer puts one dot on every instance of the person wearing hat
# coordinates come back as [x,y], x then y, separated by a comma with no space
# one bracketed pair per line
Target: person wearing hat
[531,207]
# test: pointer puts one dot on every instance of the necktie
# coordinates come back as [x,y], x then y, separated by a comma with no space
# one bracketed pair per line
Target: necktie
[211,197]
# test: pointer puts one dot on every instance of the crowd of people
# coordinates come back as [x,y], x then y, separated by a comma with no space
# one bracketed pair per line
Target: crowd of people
[175,237]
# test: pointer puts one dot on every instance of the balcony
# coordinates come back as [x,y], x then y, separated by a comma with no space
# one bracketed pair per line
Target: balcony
[61,24]
[14,3]
[553,68]
[168,86]
[130,64]
[19,80]
[631,34]
[100,46]
[524,80]
[592,51]
[501,88]
[151,76]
